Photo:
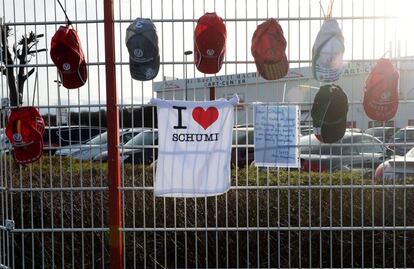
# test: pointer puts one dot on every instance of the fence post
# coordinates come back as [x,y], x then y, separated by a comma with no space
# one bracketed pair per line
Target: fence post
[112,119]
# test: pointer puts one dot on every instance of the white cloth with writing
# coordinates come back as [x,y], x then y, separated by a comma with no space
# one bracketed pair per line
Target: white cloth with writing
[194,147]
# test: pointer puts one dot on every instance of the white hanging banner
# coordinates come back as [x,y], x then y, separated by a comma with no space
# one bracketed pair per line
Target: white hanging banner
[276,136]
[194,147]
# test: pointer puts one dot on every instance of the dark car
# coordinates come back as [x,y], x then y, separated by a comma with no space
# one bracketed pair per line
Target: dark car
[142,149]
[96,145]
[403,140]
[384,134]
[242,152]
[55,137]
[355,151]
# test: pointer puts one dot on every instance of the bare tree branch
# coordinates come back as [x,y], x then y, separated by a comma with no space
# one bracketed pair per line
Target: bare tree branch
[21,50]
[25,77]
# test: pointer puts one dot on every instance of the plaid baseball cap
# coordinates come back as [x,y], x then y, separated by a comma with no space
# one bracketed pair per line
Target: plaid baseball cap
[142,43]
[66,53]
[209,43]
[327,52]
[381,91]
[24,130]
[329,111]
[268,49]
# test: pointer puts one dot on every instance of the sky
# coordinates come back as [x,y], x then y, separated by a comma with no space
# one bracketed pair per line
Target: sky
[372,29]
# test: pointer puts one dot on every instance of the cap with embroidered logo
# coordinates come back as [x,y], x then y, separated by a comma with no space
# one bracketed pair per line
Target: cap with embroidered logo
[268,49]
[66,53]
[142,43]
[327,52]
[381,91]
[24,130]
[210,37]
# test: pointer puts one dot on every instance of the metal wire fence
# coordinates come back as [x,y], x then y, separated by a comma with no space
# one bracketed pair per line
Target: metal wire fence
[54,213]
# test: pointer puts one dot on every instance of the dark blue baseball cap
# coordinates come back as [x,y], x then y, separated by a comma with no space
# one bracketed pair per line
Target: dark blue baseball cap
[142,43]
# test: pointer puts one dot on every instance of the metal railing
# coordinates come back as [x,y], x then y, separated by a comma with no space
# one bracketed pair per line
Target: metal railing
[56,212]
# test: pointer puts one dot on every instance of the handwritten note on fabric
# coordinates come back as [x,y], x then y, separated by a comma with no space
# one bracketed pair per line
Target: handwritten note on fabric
[276,136]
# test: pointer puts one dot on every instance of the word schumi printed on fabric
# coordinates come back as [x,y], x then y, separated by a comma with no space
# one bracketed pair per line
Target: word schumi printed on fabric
[204,117]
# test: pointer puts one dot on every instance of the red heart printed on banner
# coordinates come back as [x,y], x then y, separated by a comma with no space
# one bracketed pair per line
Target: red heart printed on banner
[205,117]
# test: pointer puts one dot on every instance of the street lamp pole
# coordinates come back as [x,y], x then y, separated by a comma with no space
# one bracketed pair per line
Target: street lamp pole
[188,52]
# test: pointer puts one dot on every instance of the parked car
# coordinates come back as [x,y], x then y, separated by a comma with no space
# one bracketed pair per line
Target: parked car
[404,140]
[353,130]
[142,149]
[353,151]
[55,137]
[96,145]
[384,134]
[398,167]
[5,145]
[242,152]
[306,130]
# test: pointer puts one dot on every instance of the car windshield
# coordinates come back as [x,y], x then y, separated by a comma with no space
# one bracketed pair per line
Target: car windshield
[99,139]
[144,138]
[310,145]
[404,134]
[410,153]
[243,137]
[376,132]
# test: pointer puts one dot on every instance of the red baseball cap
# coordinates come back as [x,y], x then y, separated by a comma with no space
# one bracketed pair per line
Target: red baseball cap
[381,91]
[24,130]
[67,54]
[268,49]
[209,43]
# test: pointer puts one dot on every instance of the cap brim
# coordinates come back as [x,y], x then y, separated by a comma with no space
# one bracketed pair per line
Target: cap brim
[333,132]
[377,111]
[273,71]
[75,80]
[327,74]
[209,65]
[144,71]
[29,153]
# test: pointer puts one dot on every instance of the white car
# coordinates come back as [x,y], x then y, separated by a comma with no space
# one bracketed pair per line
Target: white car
[5,145]
[96,145]
[396,168]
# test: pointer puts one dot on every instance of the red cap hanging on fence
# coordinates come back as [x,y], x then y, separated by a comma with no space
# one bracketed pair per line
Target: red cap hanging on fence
[268,50]
[381,91]
[209,43]
[66,52]
[25,129]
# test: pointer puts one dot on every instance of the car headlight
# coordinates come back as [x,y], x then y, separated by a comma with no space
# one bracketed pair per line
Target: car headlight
[101,157]
[80,152]
[124,157]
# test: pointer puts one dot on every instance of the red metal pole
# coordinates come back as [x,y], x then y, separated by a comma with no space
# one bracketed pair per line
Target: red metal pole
[112,119]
